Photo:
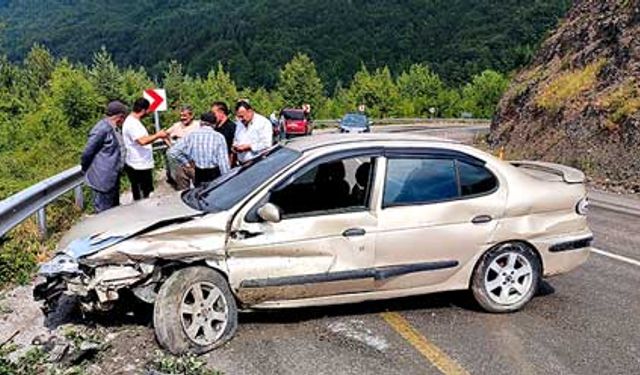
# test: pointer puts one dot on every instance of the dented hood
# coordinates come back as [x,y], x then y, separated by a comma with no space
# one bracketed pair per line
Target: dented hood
[112,226]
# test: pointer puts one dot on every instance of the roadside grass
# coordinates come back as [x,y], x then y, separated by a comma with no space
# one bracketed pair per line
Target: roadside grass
[621,103]
[22,248]
[568,85]
[165,364]
[31,363]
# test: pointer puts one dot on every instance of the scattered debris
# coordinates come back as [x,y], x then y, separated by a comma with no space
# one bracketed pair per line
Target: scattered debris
[356,330]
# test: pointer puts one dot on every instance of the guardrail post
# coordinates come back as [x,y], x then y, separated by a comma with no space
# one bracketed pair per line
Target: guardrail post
[79,195]
[41,218]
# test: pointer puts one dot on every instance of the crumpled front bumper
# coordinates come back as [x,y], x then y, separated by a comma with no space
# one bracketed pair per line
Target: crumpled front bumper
[96,288]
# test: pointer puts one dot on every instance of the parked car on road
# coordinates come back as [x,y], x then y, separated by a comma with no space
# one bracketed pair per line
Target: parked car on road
[355,123]
[329,220]
[295,122]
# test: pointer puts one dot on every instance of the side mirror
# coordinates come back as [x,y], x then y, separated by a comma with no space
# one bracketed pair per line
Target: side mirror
[370,122]
[270,213]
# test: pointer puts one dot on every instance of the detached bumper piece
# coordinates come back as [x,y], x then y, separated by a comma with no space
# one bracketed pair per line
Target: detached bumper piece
[49,291]
[571,245]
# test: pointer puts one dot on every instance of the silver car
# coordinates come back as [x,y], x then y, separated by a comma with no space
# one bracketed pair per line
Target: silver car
[329,220]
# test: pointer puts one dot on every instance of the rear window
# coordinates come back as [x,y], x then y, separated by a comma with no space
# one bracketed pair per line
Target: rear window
[293,115]
[475,179]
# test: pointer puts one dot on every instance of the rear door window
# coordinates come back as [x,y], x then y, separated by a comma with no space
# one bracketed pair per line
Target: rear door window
[419,181]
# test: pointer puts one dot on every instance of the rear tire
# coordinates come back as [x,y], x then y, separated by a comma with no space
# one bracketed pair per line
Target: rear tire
[506,278]
[194,312]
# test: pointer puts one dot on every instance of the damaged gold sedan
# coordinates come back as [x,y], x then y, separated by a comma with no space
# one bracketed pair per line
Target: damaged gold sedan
[328,220]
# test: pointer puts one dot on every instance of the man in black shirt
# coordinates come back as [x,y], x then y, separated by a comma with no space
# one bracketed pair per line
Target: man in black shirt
[224,126]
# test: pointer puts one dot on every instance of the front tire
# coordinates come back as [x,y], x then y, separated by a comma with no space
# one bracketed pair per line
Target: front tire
[506,278]
[194,312]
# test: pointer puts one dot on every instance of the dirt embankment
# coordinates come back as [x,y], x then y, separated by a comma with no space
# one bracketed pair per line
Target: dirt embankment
[578,102]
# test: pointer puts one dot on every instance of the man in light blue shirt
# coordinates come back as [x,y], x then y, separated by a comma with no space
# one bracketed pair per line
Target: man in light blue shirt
[205,150]
[254,133]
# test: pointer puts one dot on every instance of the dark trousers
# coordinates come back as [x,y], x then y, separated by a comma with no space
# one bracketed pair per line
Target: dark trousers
[105,200]
[141,182]
[204,175]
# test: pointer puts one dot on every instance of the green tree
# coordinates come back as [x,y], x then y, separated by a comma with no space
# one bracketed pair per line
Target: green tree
[481,96]
[134,82]
[75,96]
[376,91]
[420,89]
[38,67]
[174,83]
[105,75]
[201,93]
[299,83]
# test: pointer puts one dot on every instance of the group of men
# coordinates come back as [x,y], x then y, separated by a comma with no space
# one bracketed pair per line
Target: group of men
[198,152]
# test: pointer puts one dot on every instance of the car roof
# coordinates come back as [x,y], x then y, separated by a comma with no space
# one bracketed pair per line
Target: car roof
[335,139]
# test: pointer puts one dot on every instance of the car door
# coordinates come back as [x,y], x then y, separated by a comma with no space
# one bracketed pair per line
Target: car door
[323,243]
[437,211]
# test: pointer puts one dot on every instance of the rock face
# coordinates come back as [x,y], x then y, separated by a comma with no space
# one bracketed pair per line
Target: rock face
[578,103]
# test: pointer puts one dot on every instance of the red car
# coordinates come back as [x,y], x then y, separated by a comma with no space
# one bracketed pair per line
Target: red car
[295,122]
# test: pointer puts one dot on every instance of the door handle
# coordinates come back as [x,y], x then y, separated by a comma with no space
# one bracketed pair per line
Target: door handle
[481,219]
[244,234]
[353,232]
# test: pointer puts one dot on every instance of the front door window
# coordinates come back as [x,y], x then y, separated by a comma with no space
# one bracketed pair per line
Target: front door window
[331,187]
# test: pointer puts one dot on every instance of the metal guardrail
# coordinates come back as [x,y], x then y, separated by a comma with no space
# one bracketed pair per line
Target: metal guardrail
[412,120]
[34,199]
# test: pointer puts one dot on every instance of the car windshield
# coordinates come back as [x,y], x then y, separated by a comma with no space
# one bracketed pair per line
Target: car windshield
[227,190]
[354,120]
[293,115]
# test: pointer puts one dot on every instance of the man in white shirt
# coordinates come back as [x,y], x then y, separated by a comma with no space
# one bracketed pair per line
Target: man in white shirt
[254,133]
[139,150]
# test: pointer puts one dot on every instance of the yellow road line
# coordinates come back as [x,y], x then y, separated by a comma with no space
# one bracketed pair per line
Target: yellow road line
[437,357]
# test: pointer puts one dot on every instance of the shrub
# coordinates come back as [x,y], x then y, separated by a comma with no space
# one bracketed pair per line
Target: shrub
[568,85]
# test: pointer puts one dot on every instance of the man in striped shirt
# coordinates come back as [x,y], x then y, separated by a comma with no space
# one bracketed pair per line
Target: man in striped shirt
[205,150]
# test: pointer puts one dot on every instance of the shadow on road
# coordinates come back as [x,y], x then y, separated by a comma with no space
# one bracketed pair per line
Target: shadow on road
[133,312]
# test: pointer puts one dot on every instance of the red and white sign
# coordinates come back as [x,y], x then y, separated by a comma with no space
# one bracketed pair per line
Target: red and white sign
[157,98]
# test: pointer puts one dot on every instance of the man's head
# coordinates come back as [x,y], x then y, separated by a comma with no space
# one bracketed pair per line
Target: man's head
[116,112]
[244,112]
[186,114]
[220,111]
[141,107]
[207,119]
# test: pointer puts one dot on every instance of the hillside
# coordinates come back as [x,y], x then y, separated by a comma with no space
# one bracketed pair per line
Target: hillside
[579,101]
[254,38]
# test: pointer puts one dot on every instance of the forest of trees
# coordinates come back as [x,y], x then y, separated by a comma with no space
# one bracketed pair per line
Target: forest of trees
[48,105]
[252,39]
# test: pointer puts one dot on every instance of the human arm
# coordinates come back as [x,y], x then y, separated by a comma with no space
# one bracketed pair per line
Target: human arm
[222,156]
[145,140]
[94,143]
[179,153]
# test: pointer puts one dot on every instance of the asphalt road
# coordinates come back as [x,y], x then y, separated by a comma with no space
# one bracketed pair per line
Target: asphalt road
[584,322]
